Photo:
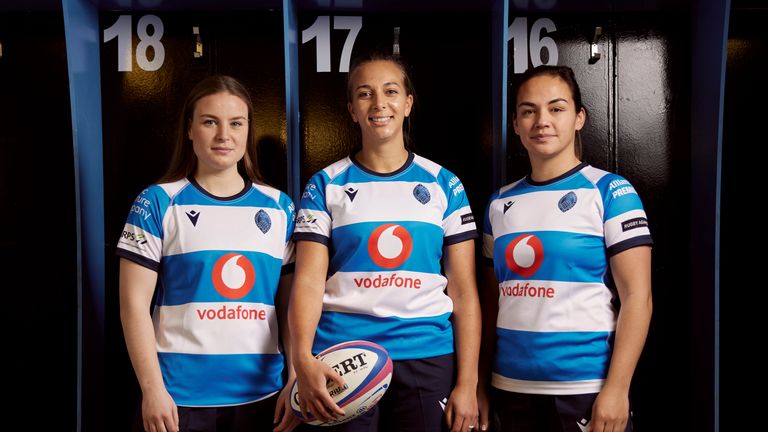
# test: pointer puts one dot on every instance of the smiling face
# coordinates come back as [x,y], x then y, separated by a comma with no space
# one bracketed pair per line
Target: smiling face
[379,101]
[546,119]
[219,132]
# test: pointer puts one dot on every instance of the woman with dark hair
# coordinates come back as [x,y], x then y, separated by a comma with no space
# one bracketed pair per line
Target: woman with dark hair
[218,241]
[386,214]
[565,245]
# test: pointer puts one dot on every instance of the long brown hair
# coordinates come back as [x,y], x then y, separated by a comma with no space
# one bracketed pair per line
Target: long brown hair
[184,161]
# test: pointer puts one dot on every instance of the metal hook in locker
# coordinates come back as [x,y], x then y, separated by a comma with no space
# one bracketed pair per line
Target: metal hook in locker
[594,53]
[396,43]
[198,42]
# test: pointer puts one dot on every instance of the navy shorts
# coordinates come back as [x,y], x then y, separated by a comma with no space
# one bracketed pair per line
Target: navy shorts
[250,417]
[414,402]
[544,413]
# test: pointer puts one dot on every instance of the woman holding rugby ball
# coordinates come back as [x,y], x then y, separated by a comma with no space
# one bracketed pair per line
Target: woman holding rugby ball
[371,232]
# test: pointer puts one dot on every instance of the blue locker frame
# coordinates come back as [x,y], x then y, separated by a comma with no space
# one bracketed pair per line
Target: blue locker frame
[709,36]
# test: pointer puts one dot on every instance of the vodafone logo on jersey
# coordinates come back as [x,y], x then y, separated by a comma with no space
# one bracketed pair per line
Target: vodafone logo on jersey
[233,276]
[524,255]
[390,245]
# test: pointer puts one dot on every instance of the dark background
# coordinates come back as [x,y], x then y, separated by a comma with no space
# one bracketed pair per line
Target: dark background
[638,95]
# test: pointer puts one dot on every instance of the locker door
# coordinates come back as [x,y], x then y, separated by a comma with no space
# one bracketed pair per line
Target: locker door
[38,249]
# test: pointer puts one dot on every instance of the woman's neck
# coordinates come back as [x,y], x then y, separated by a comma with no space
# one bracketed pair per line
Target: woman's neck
[547,169]
[222,184]
[383,158]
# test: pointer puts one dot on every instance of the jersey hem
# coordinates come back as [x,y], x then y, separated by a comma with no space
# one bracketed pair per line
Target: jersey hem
[229,405]
[546,387]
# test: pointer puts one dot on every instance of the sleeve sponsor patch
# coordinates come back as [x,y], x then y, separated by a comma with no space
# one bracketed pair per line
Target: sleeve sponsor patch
[633,223]
[467,218]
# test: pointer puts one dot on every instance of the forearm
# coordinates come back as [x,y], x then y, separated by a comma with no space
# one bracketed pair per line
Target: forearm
[140,342]
[137,284]
[632,274]
[490,309]
[306,302]
[631,332]
[462,289]
[283,300]
[467,333]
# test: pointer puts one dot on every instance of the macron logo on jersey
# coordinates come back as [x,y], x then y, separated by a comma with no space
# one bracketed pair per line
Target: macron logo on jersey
[193,215]
[390,245]
[524,255]
[507,205]
[351,193]
[233,276]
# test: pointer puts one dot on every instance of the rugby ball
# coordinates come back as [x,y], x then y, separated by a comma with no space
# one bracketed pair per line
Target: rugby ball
[367,370]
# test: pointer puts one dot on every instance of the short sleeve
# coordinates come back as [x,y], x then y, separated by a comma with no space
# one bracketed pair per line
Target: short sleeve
[458,220]
[289,255]
[624,220]
[313,220]
[142,238]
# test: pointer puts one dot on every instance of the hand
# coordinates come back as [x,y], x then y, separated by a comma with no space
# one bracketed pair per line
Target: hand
[610,412]
[314,399]
[159,412]
[484,406]
[284,412]
[461,409]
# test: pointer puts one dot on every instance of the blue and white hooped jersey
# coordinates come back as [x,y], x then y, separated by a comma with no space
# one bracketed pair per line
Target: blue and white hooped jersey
[385,234]
[550,244]
[219,262]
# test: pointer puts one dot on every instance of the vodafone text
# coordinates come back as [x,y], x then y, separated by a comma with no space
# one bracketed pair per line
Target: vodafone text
[232,313]
[393,280]
[527,290]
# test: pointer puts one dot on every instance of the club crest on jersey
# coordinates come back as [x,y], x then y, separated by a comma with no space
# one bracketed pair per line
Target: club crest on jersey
[233,276]
[263,221]
[193,215]
[421,194]
[524,255]
[567,202]
[351,193]
[390,245]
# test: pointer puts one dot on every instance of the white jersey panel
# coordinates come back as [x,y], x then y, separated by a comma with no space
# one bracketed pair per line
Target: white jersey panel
[226,228]
[523,304]
[374,202]
[513,212]
[415,295]
[547,387]
[214,325]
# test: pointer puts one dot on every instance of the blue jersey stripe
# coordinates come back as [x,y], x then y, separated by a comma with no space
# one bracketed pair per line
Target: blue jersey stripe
[207,380]
[348,254]
[559,263]
[552,356]
[404,339]
[185,283]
